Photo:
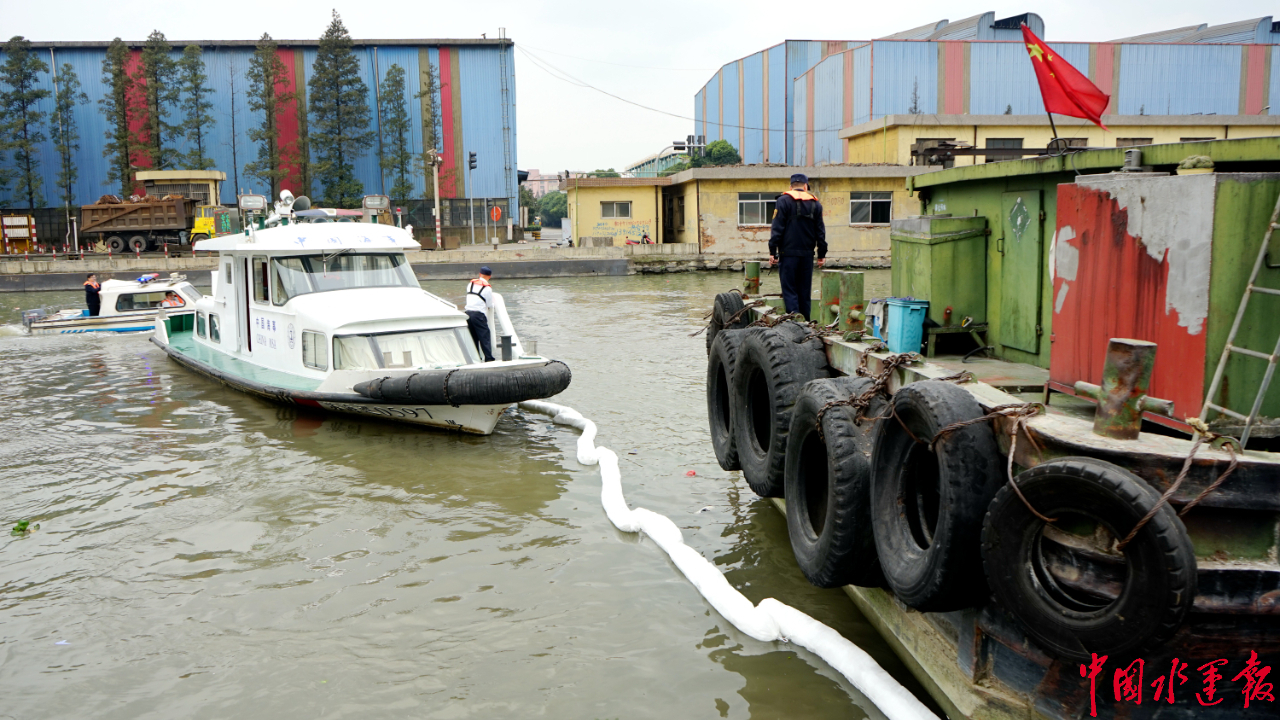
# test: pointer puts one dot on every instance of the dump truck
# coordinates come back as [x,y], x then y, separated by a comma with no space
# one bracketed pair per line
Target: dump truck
[176,206]
[150,224]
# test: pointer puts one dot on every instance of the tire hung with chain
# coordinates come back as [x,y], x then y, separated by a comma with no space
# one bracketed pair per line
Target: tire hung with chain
[773,365]
[928,502]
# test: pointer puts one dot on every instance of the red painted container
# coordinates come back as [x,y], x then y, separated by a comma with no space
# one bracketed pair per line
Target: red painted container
[1158,258]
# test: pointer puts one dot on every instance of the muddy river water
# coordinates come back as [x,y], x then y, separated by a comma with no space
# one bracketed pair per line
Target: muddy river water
[204,554]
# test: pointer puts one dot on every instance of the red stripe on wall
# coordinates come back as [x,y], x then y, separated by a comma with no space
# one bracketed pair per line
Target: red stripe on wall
[808,117]
[1257,69]
[448,183]
[136,102]
[1104,66]
[953,100]
[287,123]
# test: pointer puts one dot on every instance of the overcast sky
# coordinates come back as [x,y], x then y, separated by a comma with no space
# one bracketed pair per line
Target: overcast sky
[656,53]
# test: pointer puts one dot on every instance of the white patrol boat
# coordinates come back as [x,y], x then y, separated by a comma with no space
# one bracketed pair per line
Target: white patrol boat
[330,315]
[127,306]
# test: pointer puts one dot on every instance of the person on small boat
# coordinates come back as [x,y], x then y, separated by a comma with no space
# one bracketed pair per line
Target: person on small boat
[171,299]
[797,231]
[479,299]
[91,295]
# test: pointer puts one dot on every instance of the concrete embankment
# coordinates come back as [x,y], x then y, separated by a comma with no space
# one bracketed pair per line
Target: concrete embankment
[509,261]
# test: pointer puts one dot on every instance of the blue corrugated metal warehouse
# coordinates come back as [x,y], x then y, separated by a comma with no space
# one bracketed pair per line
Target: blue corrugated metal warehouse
[794,113]
[475,104]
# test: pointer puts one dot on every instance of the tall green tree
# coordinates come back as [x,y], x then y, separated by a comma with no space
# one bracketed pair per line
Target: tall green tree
[720,152]
[610,173]
[397,154]
[339,116]
[156,80]
[196,108]
[114,105]
[267,73]
[432,123]
[66,132]
[552,207]
[23,121]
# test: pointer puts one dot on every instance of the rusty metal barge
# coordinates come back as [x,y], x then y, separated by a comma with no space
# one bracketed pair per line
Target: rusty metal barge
[1085,522]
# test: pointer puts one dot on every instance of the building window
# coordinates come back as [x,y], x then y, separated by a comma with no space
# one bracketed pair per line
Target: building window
[1130,142]
[870,208]
[261,279]
[1196,139]
[200,325]
[756,208]
[1003,144]
[227,274]
[615,209]
[315,353]
[215,332]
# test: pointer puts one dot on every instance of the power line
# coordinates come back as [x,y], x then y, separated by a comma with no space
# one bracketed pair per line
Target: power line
[606,62]
[563,76]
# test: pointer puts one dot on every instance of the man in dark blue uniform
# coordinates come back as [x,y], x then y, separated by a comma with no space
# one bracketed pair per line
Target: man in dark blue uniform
[797,230]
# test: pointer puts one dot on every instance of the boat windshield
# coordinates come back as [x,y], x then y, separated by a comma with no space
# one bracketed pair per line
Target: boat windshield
[301,274]
[422,349]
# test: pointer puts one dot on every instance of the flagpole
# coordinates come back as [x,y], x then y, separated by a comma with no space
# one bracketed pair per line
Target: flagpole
[1051,125]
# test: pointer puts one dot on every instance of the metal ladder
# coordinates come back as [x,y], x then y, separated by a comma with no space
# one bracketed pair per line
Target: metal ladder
[1231,347]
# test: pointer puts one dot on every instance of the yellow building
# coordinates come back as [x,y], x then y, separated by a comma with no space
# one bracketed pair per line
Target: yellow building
[728,210]
[890,139]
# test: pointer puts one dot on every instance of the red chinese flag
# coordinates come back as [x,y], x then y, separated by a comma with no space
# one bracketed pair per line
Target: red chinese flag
[1064,89]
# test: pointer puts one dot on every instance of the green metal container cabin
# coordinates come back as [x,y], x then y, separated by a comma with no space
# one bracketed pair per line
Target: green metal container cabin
[1020,202]
[942,259]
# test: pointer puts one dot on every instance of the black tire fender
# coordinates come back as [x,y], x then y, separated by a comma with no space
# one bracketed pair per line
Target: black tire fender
[462,386]
[928,505]
[828,486]
[727,304]
[1136,602]
[774,363]
[724,357]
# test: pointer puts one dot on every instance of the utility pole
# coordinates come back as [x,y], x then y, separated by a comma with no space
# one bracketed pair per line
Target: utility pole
[471,206]
[434,158]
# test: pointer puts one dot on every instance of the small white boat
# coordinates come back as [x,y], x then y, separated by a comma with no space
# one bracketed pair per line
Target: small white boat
[127,306]
[331,316]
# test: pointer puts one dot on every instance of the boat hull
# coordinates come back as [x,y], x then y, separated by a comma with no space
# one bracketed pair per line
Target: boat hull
[130,323]
[472,419]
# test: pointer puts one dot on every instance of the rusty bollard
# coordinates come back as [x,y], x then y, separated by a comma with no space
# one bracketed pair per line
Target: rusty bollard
[751,281]
[829,291]
[852,307]
[1122,397]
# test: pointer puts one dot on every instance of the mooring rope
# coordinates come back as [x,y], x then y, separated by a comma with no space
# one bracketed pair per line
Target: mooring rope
[766,622]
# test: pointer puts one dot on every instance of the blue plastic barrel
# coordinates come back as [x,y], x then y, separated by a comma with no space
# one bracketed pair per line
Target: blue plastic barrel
[906,324]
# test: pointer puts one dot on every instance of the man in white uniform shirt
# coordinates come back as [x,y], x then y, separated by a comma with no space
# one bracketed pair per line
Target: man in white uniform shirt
[479,299]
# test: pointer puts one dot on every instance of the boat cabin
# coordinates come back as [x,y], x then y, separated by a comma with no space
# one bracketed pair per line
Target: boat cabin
[314,299]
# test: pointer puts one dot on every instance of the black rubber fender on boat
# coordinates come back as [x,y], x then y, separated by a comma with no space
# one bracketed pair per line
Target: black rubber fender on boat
[724,357]
[727,304]
[466,386]
[774,363]
[1097,601]
[927,504]
[828,485]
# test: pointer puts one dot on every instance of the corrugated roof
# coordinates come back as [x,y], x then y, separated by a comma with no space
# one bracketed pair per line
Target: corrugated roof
[1242,31]
[179,44]
[1164,36]
[918,33]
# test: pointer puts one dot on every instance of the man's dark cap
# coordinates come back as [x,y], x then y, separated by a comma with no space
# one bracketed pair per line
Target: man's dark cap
[799,178]
[486,271]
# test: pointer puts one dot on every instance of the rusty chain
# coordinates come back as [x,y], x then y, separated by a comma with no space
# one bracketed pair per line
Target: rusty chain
[1202,433]
[879,384]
